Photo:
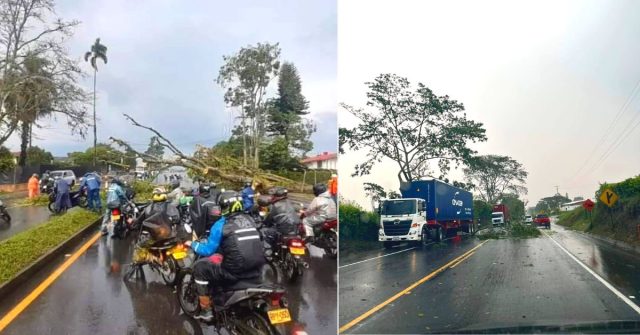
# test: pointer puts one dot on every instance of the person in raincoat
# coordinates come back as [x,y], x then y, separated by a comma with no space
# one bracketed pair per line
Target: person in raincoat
[62,189]
[33,186]
[92,182]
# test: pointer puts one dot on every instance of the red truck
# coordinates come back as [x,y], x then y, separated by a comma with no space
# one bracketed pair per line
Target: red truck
[542,220]
[500,215]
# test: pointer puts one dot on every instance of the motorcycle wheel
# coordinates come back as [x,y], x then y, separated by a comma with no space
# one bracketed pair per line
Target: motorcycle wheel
[253,324]
[52,207]
[270,273]
[82,202]
[331,250]
[6,216]
[291,270]
[186,293]
[169,271]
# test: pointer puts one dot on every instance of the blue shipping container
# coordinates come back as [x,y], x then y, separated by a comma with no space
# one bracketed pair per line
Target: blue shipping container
[444,202]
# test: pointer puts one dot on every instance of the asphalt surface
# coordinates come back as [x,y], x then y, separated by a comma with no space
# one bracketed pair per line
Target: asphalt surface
[91,298]
[23,218]
[504,283]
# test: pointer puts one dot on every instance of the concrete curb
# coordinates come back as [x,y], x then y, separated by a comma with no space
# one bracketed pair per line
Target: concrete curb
[614,242]
[22,276]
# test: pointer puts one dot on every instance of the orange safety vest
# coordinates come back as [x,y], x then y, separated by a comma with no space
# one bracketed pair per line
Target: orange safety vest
[333,186]
[33,183]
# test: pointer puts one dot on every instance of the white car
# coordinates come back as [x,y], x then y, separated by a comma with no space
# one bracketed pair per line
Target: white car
[67,175]
[528,219]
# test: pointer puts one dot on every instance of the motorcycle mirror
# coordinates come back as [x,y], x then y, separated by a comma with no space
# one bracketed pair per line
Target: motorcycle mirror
[188,229]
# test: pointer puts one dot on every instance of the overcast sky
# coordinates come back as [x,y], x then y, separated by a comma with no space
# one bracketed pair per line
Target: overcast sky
[547,79]
[164,57]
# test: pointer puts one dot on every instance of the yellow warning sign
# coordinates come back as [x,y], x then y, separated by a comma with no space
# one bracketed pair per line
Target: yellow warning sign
[608,197]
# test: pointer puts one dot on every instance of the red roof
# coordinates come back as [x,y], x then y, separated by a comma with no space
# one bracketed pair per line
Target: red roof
[325,156]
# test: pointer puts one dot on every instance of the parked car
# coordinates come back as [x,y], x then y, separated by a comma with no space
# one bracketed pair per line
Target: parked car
[528,219]
[542,220]
[67,175]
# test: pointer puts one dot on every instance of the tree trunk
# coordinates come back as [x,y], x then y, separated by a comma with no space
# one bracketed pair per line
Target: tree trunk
[24,142]
[244,138]
[95,132]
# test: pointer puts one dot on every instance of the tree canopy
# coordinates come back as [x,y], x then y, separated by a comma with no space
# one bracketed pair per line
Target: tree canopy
[411,127]
[492,176]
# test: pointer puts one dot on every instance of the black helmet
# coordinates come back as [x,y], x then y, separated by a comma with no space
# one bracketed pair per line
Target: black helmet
[117,181]
[264,200]
[204,189]
[278,192]
[230,202]
[175,184]
[319,189]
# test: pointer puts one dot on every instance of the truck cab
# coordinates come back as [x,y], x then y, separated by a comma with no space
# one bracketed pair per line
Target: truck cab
[497,218]
[401,220]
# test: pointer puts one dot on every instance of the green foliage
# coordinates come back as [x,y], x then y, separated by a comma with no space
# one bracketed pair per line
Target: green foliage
[155,149]
[143,190]
[374,191]
[38,156]
[98,51]
[104,153]
[410,127]
[357,224]
[551,205]
[492,176]
[6,159]
[276,156]
[628,188]
[518,230]
[515,205]
[41,200]
[482,210]
[321,176]
[22,249]
[577,219]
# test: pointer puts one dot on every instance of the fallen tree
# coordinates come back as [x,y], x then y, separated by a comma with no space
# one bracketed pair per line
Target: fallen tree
[206,164]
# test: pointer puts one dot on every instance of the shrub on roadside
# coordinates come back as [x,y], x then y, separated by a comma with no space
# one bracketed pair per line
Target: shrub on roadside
[358,224]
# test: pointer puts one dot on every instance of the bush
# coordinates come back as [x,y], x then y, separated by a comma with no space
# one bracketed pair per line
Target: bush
[41,200]
[524,231]
[358,224]
[22,249]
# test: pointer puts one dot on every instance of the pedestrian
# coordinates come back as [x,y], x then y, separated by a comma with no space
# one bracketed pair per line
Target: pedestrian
[33,186]
[333,187]
[63,201]
[92,182]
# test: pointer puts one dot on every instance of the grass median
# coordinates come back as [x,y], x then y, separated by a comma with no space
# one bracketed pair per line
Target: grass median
[21,250]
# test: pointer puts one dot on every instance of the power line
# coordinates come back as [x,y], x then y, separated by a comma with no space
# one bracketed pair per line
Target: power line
[628,130]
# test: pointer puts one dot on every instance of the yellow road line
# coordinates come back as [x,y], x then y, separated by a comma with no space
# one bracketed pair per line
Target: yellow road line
[403,292]
[20,307]
[462,260]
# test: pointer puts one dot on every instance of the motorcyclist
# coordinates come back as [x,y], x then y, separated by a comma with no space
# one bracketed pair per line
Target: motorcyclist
[204,210]
[115,198]
[214,193]
[176,192]
[321,209]
[240,252]
[247,196]
[158,206]
[282,218]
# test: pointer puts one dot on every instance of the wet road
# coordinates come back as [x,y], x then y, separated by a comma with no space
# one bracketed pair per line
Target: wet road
[91,298]
[23,218]
[502,283]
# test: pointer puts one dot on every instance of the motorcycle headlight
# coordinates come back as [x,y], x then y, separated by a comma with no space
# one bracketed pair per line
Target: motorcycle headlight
[1,203]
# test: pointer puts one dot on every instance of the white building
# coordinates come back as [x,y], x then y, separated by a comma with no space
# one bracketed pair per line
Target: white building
[326,160]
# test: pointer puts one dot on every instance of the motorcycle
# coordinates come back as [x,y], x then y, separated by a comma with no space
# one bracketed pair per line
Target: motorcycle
[326,236]
[246,307]
[78,198]
[3,213]
[121,216]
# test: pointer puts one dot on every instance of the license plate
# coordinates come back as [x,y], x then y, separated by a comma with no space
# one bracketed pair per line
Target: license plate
[396,239]
[296,251]
[179,254]
[115,217]
[279,316]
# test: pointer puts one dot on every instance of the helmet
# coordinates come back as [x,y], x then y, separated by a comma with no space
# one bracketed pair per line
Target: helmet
[175,184]
[319,189]
[247,183]
[230,202]
[264,200]
[159,195]
[213,185]
[204,189]
[116,181]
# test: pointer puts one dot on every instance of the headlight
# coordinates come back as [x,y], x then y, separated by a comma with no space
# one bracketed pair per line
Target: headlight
[1,203]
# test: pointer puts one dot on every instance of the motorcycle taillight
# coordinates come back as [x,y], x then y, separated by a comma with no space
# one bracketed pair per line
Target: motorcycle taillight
[278,300]
[296,243]
[115,211]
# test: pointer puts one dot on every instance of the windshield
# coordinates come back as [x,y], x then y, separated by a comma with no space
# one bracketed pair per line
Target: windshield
[496,215]
[541,216]
[56,174]
[398,207]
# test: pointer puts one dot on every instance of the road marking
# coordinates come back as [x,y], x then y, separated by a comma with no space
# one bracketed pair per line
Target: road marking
[403,292]
[462,260]
[20,307]
[370,259]
[602,280]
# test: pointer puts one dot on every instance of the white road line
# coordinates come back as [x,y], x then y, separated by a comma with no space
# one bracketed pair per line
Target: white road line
[370,259]
[604,282]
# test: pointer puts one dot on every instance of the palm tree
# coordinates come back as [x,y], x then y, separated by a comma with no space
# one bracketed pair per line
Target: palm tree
[97,51]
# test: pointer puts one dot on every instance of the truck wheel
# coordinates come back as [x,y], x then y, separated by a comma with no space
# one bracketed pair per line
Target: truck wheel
[388,245]
[425,237]
[439,234]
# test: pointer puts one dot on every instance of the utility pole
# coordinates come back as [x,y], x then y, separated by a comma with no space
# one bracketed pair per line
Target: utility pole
[557,189]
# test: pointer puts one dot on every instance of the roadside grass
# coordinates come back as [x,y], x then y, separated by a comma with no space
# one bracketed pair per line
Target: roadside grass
[41,200]
[22,249]
[358,245]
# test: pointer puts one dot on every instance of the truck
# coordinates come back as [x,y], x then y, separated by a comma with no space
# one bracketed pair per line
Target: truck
[429,210]
[500,215]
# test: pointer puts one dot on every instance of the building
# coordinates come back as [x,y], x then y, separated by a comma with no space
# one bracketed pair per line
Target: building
[326,161]
[571,205]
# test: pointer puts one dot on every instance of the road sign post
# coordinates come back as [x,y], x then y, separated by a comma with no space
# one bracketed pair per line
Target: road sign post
[609,198]
[588,206]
